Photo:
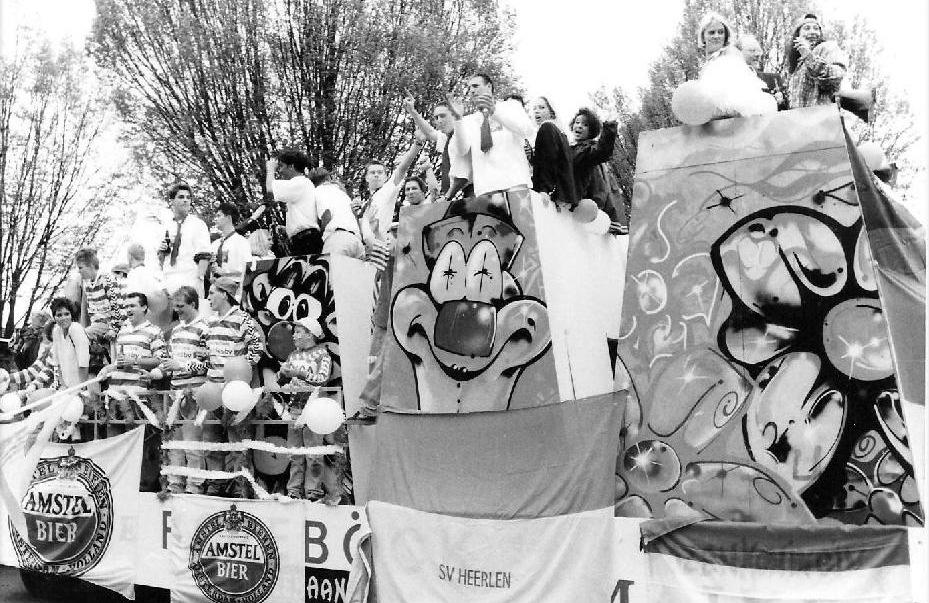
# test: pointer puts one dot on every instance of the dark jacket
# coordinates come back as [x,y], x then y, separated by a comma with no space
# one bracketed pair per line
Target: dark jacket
[587,156]
[774,84]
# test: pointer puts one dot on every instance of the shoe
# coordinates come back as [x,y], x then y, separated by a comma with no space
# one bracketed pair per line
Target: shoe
[362,417]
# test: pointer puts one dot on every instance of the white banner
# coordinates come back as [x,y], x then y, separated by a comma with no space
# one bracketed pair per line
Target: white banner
[246,551]
[81,511]
[422,556]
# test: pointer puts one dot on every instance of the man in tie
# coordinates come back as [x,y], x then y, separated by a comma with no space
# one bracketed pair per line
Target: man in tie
[455,169]
[185,251]
[494,136]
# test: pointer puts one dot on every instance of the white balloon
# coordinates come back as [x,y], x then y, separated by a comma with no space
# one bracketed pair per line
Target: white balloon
[237,396]
[74,408]
[692,104]
[324,415]
[10,402]
[600,225]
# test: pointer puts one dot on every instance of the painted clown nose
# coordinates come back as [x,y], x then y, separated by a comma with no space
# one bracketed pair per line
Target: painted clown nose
[465,289]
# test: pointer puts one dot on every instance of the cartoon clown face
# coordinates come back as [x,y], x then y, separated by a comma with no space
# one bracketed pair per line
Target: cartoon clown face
[469,332]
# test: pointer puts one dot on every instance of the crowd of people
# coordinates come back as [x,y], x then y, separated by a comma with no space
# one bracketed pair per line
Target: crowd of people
[114,329]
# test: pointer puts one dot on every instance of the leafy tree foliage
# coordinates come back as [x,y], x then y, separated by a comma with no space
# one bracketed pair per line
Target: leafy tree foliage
[772,22]
[210,87]
[52,192]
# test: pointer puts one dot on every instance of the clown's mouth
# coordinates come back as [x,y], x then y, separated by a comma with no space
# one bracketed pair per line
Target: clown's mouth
[468,329]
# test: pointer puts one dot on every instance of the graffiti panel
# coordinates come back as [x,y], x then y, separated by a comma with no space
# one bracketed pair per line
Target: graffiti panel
[754,350]
[469,328]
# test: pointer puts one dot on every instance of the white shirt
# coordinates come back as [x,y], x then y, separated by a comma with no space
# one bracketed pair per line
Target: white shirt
[236,254]
[459,164]
[70,351]
[375,223]
[504,166]
[195,239]
[300,196]
[330,198]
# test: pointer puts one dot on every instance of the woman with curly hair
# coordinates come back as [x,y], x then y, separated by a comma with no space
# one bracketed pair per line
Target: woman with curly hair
[815,66]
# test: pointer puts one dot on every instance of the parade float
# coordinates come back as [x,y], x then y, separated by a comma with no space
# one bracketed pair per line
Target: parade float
[744,422]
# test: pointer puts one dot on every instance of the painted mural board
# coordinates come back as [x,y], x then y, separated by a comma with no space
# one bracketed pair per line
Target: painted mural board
[754,350]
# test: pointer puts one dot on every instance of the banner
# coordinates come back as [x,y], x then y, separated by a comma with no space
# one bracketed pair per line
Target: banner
[432,557]
[244,551]
[528,490]
[732,563]
[81,511]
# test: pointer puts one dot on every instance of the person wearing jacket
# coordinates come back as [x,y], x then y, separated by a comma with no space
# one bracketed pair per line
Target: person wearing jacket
[593,146]
[815,66]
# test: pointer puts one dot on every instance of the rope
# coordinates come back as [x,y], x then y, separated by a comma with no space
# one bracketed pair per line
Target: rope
[250,445]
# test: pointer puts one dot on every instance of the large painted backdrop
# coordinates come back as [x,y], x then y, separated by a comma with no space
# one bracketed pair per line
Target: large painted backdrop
[753,347]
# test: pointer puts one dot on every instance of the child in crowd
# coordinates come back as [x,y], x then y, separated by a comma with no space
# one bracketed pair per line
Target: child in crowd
[307,366]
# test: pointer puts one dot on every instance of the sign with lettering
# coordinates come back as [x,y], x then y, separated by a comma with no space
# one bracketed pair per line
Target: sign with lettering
[259,551]
[81,512]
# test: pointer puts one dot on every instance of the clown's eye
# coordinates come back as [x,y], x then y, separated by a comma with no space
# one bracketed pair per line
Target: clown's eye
[280,303]
[447,281]
[306,306]
[261,286]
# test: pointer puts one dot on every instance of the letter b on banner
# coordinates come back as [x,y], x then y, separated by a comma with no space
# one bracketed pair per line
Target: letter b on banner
[315,549]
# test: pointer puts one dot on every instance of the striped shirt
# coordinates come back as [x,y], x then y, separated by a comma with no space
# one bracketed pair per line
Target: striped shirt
[41,373]
[187,345]
[233,334]
[105,301]
[134,343]
[315,361]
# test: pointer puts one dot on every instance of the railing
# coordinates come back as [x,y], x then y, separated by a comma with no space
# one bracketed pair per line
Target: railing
[99,419]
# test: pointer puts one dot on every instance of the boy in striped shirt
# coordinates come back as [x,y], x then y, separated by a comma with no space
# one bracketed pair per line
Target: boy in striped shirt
[105,313]
[140,347]
[186,364]
[232,332]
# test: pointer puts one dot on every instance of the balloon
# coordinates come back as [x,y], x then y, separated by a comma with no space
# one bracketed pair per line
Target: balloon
[271,463]
[209,396]
[324,415]
[691,103]
[74,408]
[237,396]
[600,224]
[10,402]
[237,368]
[873,155]
[586,211]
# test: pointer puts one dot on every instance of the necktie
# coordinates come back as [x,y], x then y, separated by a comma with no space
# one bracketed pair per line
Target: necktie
[446,164]
[176,246]
[486,140]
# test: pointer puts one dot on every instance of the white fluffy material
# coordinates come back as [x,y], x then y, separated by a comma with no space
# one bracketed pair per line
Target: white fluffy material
[727,87]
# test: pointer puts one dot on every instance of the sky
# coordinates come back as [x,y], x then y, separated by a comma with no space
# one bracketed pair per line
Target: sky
[565,50]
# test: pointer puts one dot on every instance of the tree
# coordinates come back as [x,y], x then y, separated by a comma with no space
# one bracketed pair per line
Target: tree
[772,22]
[210,87]
[51,130]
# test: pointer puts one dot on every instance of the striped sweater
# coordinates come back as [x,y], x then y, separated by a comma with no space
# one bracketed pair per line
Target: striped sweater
[233,334]
[40,373]
[187,345]
[105,301]
[134,343]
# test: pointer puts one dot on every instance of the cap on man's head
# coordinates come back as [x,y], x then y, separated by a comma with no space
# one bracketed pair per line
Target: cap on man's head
[228,285]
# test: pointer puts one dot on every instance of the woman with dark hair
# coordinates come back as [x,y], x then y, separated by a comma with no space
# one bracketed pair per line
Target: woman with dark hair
[815,66]
[70,346]
[551,155]
[590,156]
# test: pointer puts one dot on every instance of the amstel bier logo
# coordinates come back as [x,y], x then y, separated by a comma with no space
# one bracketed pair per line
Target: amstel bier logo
[234,558]
[69,516]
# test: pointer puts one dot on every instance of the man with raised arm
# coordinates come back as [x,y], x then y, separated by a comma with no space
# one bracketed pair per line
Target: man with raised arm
[494,136]
[455,169]
[286,180]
